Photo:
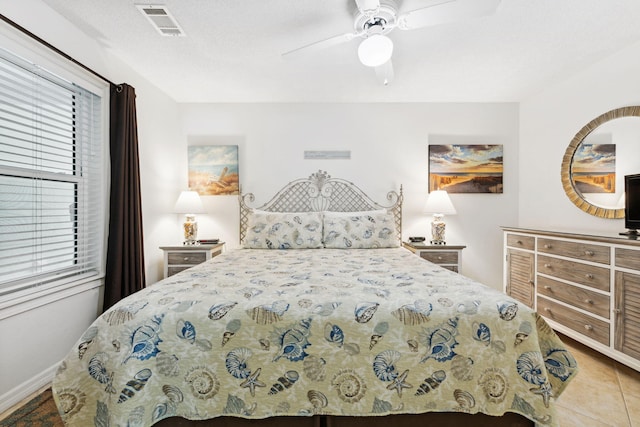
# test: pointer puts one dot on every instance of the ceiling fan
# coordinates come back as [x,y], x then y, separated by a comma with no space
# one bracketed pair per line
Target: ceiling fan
[374,19]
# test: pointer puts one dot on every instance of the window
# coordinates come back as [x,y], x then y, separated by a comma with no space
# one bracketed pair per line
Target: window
[51,178]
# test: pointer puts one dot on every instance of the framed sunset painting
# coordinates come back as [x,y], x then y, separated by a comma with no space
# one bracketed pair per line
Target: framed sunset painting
[594,168]
[466,168]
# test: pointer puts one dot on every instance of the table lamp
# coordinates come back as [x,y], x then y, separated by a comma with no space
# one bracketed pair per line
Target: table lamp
[189,204]
[439,204]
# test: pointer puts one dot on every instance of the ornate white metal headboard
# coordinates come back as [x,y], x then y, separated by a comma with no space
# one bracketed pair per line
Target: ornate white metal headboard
[318,193]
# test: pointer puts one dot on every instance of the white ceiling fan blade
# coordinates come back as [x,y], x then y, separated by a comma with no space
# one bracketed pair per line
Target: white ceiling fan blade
[446,13]
[319,45]
[384,73]
[368,5]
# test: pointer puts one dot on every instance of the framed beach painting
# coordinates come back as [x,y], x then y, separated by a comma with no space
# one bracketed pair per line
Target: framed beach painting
[466,168]
[213,169]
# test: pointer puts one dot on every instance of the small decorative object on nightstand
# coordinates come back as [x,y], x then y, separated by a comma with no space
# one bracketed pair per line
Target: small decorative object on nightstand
[178,258]
[449,256]
[439,204]
[189,203]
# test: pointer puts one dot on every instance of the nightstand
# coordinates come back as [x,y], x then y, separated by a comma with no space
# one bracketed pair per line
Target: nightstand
[447,256]
[178,258]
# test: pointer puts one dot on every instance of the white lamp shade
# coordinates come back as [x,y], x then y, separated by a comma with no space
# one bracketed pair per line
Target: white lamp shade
[189,203]
[439,202]
[375,50]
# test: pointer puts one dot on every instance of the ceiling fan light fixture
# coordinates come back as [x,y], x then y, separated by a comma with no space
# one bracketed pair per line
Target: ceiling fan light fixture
[375,50]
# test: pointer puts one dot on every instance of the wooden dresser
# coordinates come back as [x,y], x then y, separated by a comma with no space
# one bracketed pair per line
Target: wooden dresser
[586,286]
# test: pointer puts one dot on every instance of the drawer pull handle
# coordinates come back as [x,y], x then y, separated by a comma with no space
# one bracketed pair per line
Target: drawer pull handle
[439,258]
[588,301]
[589,253]
[547,287]
[547,266]
[588,327]
[186,258]
[547,309]
[548,246]
[518,242]
[617,311]
[589,276]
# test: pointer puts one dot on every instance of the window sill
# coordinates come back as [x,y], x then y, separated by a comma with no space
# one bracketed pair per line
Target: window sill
[18,302]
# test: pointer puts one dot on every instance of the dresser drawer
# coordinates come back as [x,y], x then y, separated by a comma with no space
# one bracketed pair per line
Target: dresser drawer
[586,325]
[186,258]
[588,275]
[585,299]
[440,257]
[578,250]
[522,242]
[628,258]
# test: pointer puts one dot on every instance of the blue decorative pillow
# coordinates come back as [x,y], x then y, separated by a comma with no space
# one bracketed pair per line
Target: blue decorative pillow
[359,230]
[283,230]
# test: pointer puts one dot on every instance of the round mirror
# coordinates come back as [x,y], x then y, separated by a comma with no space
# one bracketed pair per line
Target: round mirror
[597,159]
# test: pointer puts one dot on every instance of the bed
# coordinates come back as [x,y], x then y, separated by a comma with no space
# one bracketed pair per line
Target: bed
[321,319]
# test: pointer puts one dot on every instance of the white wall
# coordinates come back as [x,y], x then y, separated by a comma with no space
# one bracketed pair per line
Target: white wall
[35,336]
[548,122]
[388,144]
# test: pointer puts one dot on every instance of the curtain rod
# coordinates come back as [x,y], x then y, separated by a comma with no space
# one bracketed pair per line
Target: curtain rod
[53,48]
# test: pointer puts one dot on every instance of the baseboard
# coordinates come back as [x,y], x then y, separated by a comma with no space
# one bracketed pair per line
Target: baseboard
[27,388]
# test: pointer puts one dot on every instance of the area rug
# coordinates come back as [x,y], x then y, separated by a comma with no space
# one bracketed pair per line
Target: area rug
[40,411]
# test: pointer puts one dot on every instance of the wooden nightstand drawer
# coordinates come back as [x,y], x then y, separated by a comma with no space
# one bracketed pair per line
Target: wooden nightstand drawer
[180,258]
[446,256]
[190,258]
[440,257]
[588,275]
[577,250]
[521,242]
[585,299]
[174,270]
[586,325]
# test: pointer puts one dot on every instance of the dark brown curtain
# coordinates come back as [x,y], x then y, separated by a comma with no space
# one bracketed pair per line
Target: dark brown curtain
[125,255]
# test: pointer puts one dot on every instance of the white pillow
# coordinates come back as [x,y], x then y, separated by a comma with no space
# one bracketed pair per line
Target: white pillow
[283,230]
[359,230]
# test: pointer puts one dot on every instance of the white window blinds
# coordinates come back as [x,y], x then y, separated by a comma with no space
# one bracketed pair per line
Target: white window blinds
[51,168]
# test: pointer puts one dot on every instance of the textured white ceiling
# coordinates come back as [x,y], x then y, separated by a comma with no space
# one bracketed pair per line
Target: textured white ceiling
[232,52]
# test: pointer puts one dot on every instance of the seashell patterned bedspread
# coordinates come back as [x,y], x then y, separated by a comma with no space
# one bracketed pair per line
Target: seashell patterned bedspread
[256,333]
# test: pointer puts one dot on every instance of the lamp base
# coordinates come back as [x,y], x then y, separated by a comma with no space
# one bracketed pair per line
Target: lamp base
[437,230]
[190,228]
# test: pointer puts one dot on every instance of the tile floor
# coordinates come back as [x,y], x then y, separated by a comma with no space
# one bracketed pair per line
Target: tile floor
[605,393]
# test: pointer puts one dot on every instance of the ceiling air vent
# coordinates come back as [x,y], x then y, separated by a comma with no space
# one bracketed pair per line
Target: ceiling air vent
[161,19]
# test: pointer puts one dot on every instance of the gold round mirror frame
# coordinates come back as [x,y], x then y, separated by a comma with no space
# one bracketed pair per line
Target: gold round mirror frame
[565,172]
